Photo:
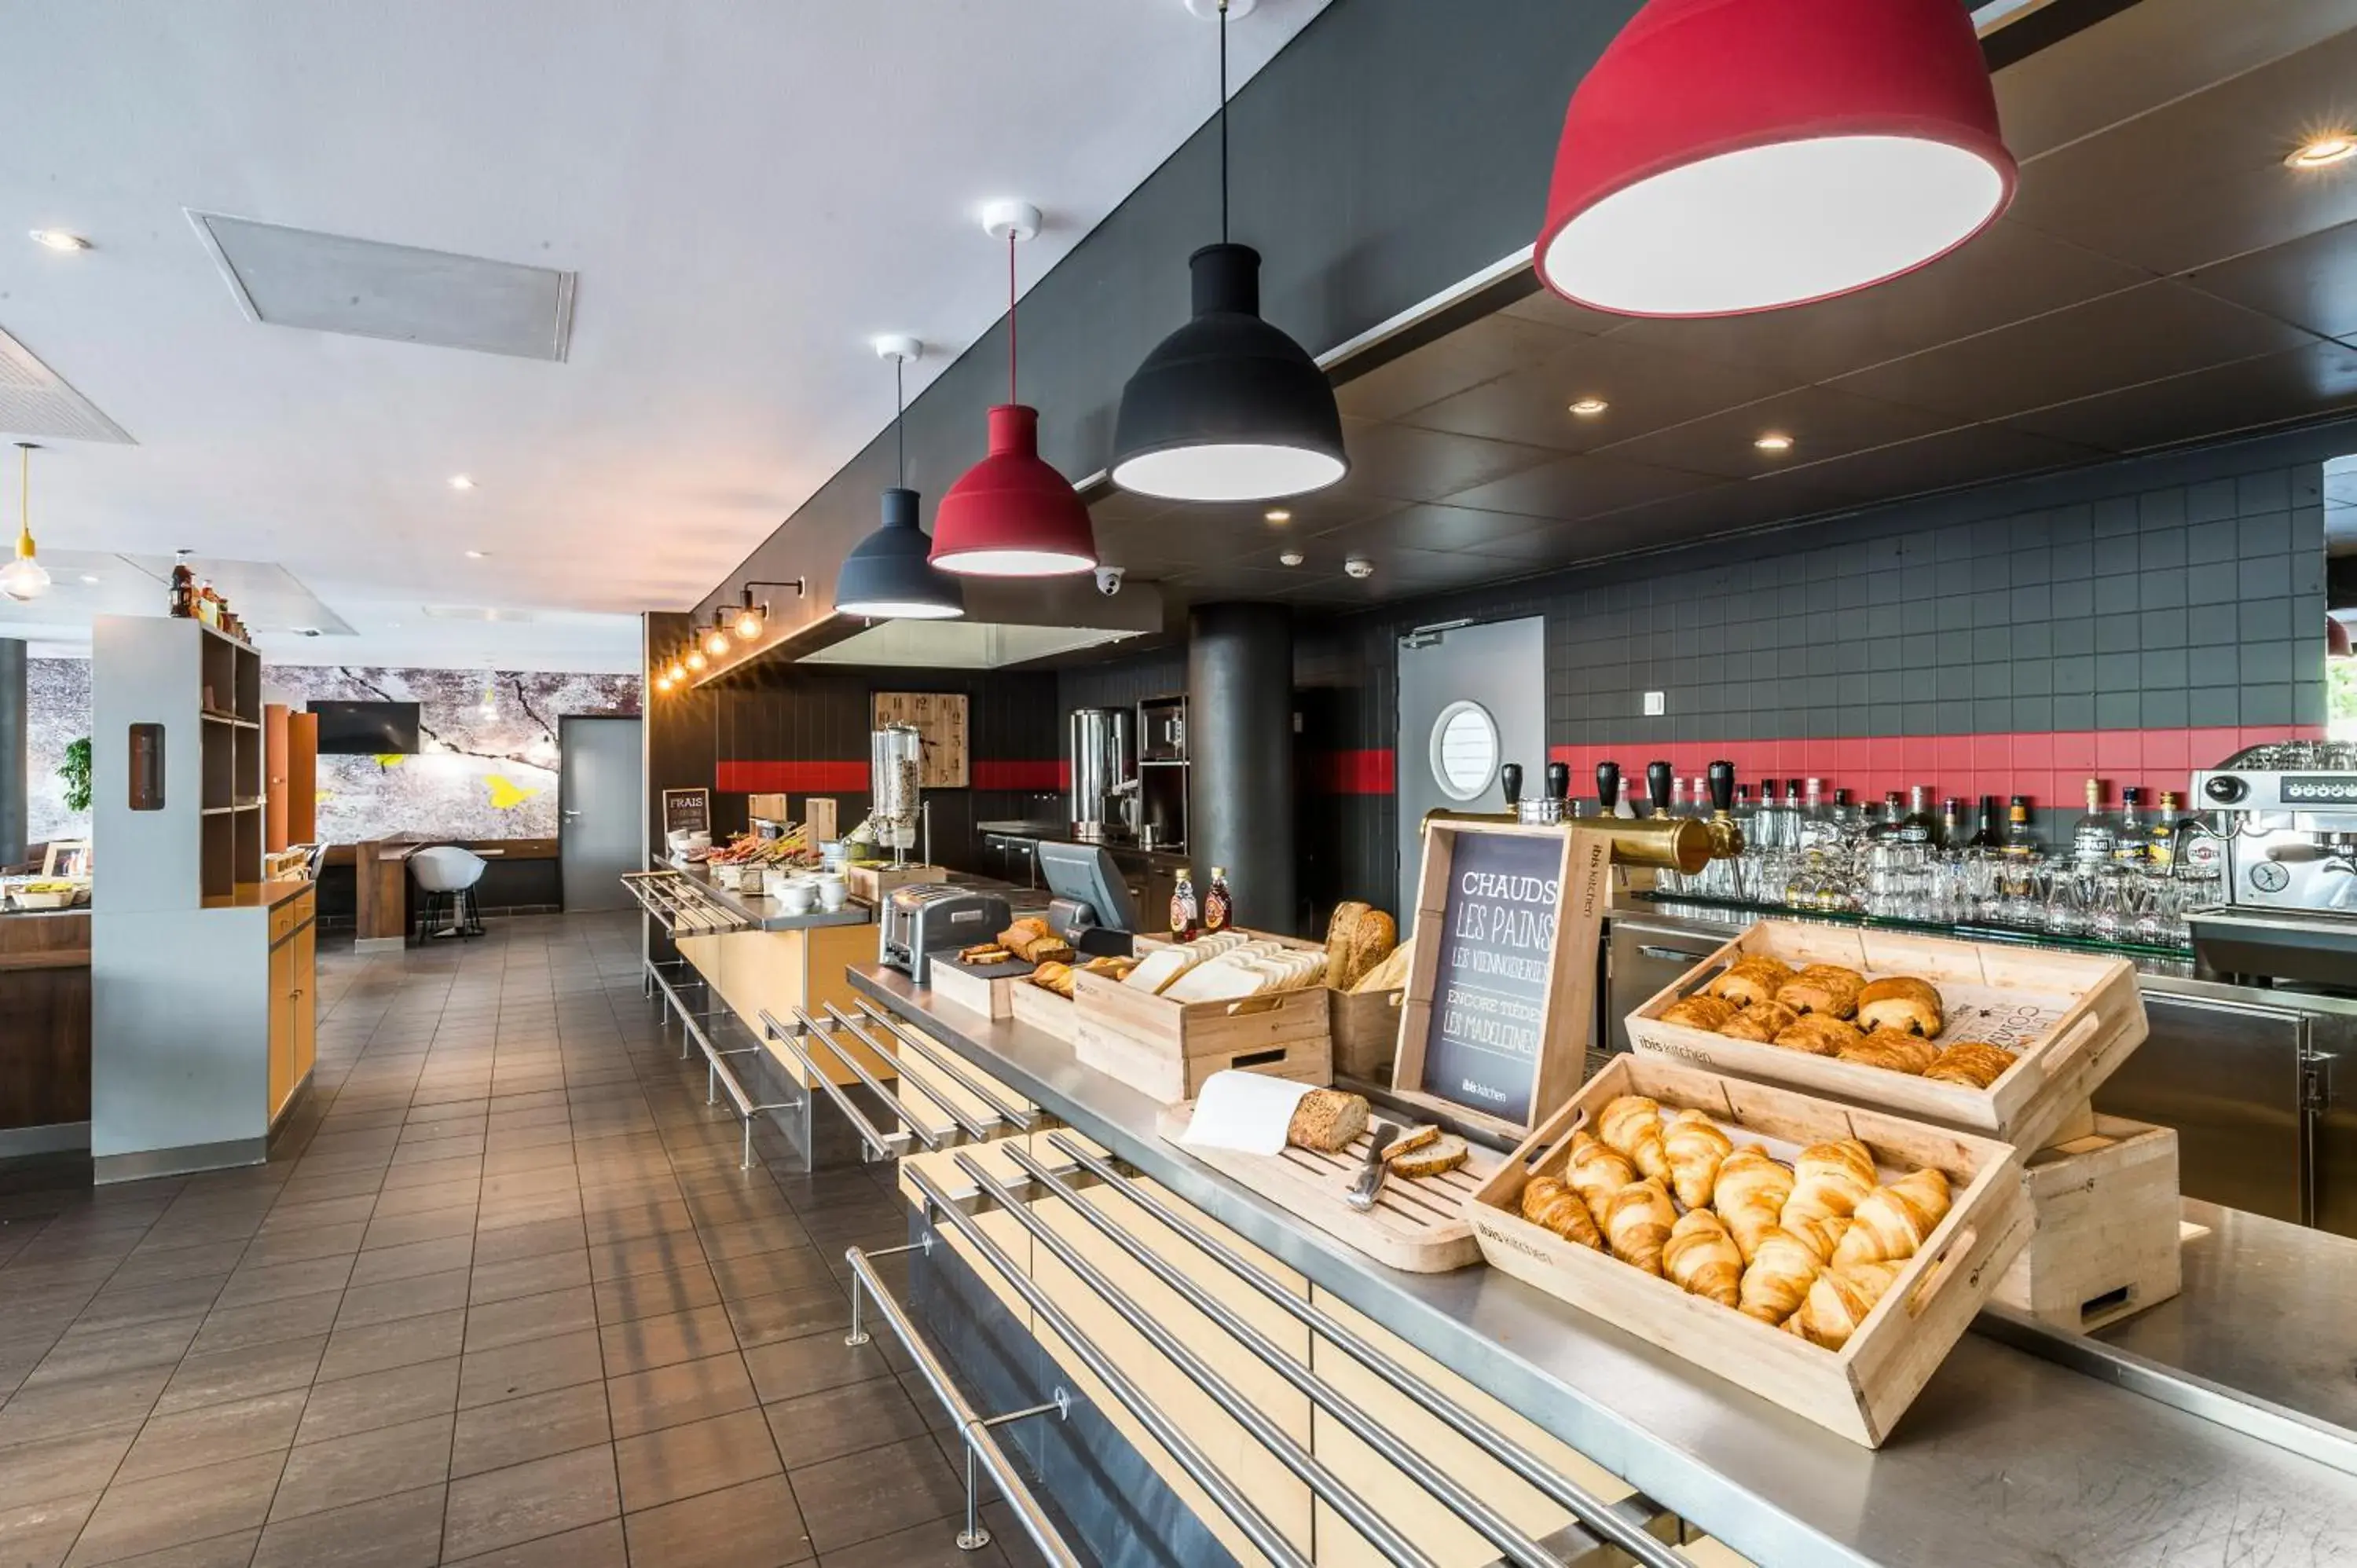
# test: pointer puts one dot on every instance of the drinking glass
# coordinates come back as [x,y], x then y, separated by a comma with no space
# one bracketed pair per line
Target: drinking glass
[2066,899]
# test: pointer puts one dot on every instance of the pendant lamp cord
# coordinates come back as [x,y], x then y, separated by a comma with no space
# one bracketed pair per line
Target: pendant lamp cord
[1223,122]
[24,498]
[901,417]
[1010,317]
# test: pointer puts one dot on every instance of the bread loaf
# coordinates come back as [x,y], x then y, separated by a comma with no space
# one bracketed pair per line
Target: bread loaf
[1389,975]
[1341,939]
[1327,1120]
[1372,941]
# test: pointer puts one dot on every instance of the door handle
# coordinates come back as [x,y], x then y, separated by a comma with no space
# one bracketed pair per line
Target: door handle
[1672,954]
[568,813]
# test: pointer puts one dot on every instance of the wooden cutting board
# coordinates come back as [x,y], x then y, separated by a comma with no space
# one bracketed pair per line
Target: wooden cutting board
[1417,1225]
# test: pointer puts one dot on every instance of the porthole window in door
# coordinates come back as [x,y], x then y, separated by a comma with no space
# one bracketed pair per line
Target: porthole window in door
[1464,750]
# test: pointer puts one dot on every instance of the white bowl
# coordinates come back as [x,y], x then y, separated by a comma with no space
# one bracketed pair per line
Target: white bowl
[797,895]
[832,893]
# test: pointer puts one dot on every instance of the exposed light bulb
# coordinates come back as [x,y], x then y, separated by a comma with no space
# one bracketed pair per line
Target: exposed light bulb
[24,578]
[696,660]
[717,643]
[678,671]
[748,625]
[662,682]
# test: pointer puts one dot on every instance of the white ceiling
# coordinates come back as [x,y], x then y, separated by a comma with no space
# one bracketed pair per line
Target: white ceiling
[747,193]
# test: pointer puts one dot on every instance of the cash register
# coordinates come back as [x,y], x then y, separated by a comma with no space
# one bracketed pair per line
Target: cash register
[1088,905]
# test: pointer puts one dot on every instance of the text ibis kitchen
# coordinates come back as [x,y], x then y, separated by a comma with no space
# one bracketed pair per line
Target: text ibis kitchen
[1584,791]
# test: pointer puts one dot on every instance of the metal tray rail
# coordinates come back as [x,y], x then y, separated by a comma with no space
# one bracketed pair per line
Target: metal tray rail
[697,1030]
[950,1068]
[680,906]
[1627,1525]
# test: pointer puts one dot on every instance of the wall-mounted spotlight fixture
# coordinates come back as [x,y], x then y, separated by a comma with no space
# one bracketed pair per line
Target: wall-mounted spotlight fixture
[752,619]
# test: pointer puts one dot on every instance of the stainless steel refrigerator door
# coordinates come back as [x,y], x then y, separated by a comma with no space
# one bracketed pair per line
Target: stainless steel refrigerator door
[2332,1088]
[1643,960]
[1471,698]
[601,810]
[2227,1077]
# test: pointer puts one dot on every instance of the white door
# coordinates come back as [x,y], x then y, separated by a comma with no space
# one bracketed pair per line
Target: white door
[601,810]
[1470,699]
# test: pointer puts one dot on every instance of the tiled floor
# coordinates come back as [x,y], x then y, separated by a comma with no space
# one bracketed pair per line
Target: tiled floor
[502,1297]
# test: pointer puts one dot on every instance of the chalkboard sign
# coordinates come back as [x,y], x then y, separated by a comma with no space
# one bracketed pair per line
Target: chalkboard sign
[687,811]
[1497,1015]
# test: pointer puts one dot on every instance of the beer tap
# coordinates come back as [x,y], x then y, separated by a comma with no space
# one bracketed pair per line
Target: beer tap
[1725,836]
[1510,783]
[1558,788]
[1608,786]
[1658,783]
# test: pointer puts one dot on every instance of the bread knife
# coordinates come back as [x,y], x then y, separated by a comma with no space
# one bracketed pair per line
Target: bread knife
[1370,1180]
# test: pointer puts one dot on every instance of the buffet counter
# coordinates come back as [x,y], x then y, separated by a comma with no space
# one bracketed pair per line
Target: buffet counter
[761,913]
[44,1031]
[2071,1451]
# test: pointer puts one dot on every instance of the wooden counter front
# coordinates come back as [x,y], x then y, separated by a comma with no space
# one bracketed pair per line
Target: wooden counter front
[45,999]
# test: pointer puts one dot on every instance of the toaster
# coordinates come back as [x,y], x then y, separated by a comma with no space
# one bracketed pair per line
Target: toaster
[927,918]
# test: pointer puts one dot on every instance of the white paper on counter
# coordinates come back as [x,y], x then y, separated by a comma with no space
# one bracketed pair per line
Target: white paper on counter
[1247,1112]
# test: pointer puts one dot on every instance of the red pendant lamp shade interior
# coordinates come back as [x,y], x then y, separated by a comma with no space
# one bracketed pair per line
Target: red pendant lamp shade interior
[1012,514]
[1733,155]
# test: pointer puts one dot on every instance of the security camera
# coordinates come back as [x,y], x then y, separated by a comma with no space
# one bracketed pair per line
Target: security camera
[1358,566]
[1109,580]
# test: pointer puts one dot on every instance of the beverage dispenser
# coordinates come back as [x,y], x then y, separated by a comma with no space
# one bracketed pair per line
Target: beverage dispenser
[895,755]
[1104,774]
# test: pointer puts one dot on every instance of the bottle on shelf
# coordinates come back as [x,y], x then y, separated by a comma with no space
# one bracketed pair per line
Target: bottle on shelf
[1952,822]
[1186,919]
[1219,908]
[1985,833]
[2160,845]
[2020,837]
[2131,835]
[1920,827]
[183,589]
[2093,839]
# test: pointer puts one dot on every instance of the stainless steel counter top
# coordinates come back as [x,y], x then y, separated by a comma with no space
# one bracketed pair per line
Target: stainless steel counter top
[2006,1459]
[764,913]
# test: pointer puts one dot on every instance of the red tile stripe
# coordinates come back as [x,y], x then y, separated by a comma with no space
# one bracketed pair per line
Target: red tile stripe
[1020,773]
[788,777]
[1353,773]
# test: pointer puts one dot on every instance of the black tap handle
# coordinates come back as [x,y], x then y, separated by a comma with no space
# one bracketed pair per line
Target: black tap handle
[1658,783]
[1721,783]
[1607,785]
[1510,779]
[1558,776]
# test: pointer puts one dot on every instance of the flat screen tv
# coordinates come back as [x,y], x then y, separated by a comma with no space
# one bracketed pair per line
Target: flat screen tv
[373,730]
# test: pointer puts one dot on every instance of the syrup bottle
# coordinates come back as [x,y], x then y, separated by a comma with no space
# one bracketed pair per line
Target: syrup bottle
[1219,908]
[1185,921]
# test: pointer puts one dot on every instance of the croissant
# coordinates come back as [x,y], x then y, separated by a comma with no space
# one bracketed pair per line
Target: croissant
[1819,1034]
[1820,1233]
[1698,1012]
[1749,1194]
[1700,1258]
[1762,1022]
[1553,1204]
[1893,1221]
[1901,1002]
[1695,1147]
[1829,1180]
[1777,1276]
[1823,988]
[1637,1222]
[1893,1050]
[1752,980]
[1595,1171]
[1839,1300]
[1973,1063]
[1633,1125]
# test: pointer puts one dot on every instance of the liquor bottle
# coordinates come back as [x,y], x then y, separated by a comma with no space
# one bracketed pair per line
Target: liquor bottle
[2132,836]
[184,591]
[1952,822]
[2092,843]
[1893,821]
[2020,837]
[1813,815]
[1185,919]
[2160,848]
[1918,826]
[1984,829]
[1218,908]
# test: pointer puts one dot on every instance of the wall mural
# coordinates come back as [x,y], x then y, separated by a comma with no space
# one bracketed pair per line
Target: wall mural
[488,769]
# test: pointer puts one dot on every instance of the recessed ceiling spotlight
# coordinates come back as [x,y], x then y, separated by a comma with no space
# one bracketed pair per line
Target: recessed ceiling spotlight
[476,554]
[1774,442]
[1589,407]
[59,240]
[1291,558]
[88,578]
[461,482]
[1358,566]
[1278,514]
[2323,152]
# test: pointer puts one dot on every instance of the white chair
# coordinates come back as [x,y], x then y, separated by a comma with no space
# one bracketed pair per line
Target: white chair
[447,874]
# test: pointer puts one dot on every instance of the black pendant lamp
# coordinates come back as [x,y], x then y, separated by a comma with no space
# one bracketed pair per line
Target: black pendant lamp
[1227,408]
[889,576]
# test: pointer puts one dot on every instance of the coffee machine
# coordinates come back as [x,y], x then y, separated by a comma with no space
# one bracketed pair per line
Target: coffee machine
[1104,775]
[2280,842]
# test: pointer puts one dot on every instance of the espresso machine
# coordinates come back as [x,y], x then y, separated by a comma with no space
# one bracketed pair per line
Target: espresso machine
[2278,845]
[1104,775]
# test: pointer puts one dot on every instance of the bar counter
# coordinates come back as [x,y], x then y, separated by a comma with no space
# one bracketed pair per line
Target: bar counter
[2009,1457]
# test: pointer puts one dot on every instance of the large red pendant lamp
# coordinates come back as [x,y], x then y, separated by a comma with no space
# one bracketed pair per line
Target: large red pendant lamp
[1012,515]
[1733,155]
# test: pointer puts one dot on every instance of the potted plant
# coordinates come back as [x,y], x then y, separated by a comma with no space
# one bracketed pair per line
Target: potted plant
[75,771]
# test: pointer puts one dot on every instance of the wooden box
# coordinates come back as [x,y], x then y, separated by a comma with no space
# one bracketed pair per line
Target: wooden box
[984,990]
[869,884]
[2072,1017]
[1042,1009]
[1366,1026]
[768,807]
[1861,1389]
[2106,1245]
[1168,1048]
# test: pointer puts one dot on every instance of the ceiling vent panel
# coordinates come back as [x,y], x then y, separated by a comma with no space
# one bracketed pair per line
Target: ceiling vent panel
[332,282]
[35,401]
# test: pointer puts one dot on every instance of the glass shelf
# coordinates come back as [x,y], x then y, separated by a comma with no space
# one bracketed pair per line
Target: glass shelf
[1968,931]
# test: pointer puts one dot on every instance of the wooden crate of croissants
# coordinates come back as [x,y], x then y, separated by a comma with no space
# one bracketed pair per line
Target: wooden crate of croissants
[1824,1256]
[2007,1041]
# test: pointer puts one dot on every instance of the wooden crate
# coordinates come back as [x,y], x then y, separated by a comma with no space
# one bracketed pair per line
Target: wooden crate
[979,990]
[869,884]
[1366,1026]
[2072,1017]
[2107,1246]
[1418,1224]
[1042,1009]
[1168,1048]
[1861,1389]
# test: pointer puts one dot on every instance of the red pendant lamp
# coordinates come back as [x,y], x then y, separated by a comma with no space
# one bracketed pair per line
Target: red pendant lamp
[1013,515]
[1726,156]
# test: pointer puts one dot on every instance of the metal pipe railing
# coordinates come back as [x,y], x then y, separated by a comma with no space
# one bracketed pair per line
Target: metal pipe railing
[1518,1546]
[1020,1119]
[815,1035]
[881,1145]
[1607,1520]
[1288,1450]
[1183,1450]
[973,1429]
[956,1113]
